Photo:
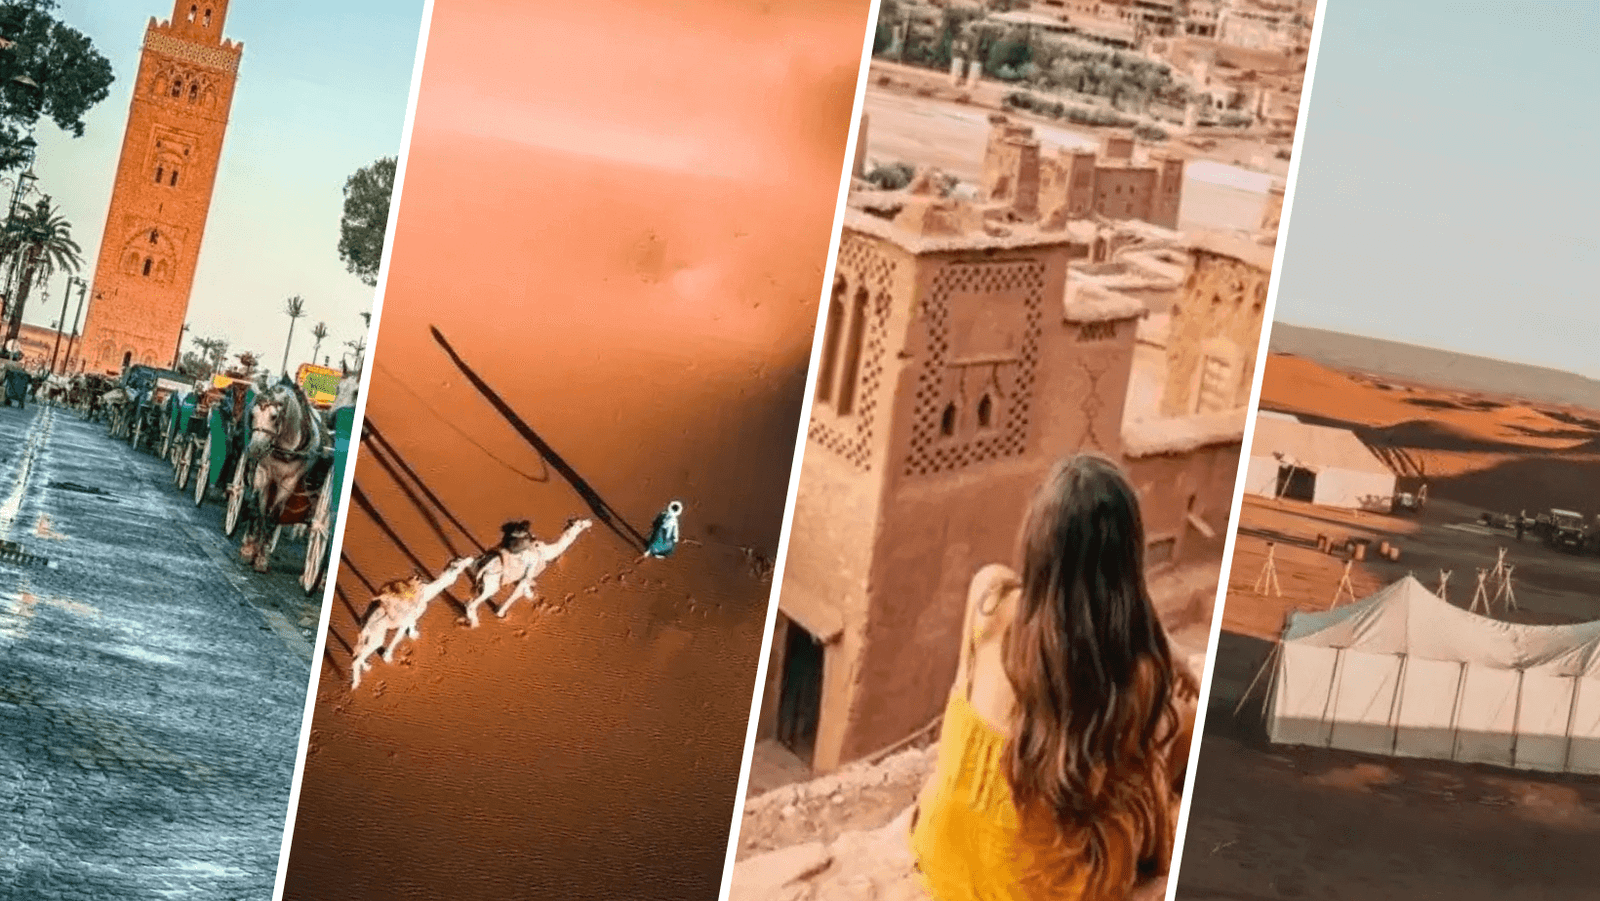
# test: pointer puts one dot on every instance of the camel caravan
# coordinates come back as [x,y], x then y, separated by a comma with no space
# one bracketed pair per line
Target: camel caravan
[518,560]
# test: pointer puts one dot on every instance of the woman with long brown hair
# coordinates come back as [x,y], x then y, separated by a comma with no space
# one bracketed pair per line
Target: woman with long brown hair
[1067,733]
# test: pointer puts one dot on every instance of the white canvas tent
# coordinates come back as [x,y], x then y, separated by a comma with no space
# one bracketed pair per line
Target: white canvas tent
[1405,673]
[1315,463]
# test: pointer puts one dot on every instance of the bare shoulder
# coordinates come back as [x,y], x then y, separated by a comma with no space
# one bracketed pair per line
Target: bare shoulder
[989,590]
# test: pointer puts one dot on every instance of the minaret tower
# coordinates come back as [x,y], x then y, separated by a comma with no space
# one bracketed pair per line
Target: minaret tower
[162,196]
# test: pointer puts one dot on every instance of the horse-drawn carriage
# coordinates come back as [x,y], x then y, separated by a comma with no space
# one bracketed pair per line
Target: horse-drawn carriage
[280,459]
[87,394]
[145,392]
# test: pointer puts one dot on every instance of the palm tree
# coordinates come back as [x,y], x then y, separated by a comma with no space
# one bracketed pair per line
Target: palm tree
[248,362]
[294,308]
[42,240]
[213,351]
[318,331]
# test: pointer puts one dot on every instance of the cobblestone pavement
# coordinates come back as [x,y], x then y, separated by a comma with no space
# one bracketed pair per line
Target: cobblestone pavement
[151,686]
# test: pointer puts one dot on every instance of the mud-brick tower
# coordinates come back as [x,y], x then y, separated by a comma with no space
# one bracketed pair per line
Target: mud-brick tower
[160,200]
[954,373]
[1216,322]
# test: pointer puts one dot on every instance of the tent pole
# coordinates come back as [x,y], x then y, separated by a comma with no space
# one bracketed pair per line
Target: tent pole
[1572,715]
[1271,692]
[1516,717]
[1265,665]
[1332,706]
[1455,713]
[1399,699]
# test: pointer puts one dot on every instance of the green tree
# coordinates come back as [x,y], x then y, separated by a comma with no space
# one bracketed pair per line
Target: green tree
[319,332]
[47,69]
[366,219]
[294,308]
[213,351]
[40,241]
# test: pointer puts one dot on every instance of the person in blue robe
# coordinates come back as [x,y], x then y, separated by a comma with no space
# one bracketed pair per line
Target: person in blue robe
[664,532]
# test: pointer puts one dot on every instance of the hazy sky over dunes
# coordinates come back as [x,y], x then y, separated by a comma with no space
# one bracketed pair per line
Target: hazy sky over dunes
[1446,191]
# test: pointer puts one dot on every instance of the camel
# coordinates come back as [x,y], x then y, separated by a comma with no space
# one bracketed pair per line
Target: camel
[518,559]
[399,605]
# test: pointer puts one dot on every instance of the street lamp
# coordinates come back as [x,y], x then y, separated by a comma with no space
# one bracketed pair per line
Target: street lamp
[61,324]
[83,288]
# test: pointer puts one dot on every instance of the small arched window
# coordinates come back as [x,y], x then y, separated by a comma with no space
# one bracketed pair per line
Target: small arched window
[947,422]
[193,10]
[850,369]
[985,412]
[161,172]
[177,87]
[194,93]
[147,262]
[153,236]
[174,181]
[837,312]
[208,18]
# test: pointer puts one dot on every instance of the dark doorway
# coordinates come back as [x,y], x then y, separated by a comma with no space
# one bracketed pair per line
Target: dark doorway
[1297,484]
[127,359]
[800,696]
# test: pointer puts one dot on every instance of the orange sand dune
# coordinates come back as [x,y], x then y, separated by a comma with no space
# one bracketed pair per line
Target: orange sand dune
[604,280]
[1493,453]
[1297,385]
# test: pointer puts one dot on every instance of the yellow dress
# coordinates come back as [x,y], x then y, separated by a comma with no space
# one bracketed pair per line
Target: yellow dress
[966,839]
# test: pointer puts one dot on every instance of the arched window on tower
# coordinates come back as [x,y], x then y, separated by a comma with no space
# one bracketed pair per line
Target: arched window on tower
[850,369]
[161,172]
[208,18]
[985,412]
[194,92]
[147,262]
[154,236]
[947,421]
[830,341]
[177,87]
[174,181]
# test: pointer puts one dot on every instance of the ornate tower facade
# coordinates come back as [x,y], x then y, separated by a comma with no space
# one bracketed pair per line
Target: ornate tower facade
[954,374]
[162,194]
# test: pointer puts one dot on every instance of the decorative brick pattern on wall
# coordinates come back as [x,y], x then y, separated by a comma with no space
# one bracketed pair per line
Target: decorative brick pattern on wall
[161,198]
[939,382]
[850,437]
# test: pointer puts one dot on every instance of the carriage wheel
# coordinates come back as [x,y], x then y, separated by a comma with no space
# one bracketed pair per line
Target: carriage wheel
[166,446]
[230,521]
[317,538]
[180,462]
[202,476]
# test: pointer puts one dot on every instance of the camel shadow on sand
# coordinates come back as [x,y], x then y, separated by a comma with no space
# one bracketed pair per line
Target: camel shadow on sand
[603,512]
[436,514]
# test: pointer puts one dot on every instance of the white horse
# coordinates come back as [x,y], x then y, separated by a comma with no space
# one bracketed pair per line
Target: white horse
[400,606]
[519,559]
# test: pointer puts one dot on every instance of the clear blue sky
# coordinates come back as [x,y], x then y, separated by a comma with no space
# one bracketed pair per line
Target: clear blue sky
[1448,189]
[322,92]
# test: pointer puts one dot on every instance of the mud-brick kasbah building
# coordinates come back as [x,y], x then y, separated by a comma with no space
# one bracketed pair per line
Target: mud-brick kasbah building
[968,347]
[162,195]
